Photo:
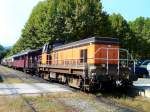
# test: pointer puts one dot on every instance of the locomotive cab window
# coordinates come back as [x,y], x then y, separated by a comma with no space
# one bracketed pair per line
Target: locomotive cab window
[46,48]
[83,56]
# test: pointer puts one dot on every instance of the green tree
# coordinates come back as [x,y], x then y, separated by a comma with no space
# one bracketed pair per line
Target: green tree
[120,28]
[1,48]
[66,20]
[3,52]
[141,29]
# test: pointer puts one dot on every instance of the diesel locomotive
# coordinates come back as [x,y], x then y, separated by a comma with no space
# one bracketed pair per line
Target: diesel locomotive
[88,64]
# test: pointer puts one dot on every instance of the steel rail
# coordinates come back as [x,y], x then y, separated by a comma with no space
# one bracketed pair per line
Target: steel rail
[27,102]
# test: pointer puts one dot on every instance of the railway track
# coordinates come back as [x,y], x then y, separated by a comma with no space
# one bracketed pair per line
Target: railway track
[25,78]
[27,101]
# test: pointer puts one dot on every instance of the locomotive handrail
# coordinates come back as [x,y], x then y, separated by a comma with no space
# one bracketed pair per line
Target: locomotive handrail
[118,49]
[77,61]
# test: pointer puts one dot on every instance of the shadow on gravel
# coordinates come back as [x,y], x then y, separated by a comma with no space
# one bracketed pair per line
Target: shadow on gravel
[121,92]
[123,95]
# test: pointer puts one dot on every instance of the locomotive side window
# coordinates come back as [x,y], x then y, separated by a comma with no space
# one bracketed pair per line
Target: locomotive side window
[83,56]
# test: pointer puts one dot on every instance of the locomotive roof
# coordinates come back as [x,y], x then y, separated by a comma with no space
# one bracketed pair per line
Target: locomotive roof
[98,40]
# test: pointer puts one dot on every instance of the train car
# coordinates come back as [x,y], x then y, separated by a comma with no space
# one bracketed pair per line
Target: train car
[3,62]
[87,64]
[8,61]
[27,60]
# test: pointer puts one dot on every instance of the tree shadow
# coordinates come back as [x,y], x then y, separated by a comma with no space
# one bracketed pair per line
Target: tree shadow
[121,92]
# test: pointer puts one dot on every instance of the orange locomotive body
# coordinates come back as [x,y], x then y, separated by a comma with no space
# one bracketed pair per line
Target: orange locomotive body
[88,63]
[95,52]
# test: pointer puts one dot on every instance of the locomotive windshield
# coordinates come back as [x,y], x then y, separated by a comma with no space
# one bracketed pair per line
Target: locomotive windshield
[47,48]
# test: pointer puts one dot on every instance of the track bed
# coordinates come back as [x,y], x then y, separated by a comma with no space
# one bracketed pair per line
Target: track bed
[70,100]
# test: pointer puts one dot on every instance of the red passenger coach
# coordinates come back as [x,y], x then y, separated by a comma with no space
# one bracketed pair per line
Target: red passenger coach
[19,63]
[26,60]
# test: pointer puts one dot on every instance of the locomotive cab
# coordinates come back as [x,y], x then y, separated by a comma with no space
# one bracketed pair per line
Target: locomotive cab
[46,50]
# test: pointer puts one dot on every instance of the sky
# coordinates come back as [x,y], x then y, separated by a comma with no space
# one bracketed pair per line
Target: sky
[13,16]
[15,13]
[129,9]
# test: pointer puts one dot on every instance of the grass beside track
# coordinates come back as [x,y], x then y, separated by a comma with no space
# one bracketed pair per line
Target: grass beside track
[46,103]
[54,101]
[13,104]
[127,97]
[138,103]
[41,103]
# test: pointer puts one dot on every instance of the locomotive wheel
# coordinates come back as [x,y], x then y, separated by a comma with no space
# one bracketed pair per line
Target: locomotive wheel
[87,87]
[49,78]
[65,81]
[42,75]
[36,73]
[74,82]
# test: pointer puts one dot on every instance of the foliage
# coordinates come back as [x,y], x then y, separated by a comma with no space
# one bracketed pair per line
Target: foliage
[141,29]
[66,20]
[3,52]
[1,48]
[120,28]
[134,36]
[71,20]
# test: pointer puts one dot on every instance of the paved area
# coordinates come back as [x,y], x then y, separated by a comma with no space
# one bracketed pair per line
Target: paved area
[142,82]
[32,88]
[16,82]
[143,86]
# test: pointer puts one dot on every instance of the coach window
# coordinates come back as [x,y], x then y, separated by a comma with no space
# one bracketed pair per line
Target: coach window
[83,56]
